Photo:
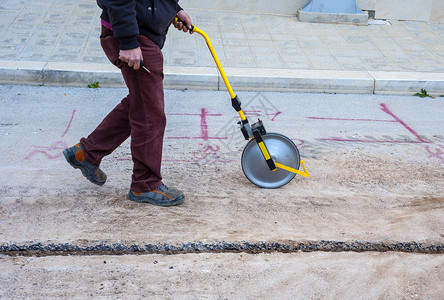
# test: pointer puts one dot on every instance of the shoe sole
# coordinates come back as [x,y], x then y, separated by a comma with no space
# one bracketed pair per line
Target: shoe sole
[79,166]
[174,202]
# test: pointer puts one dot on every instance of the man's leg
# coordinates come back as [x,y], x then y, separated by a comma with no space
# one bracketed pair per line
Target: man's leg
[115,128]
[140,115]
[147,122]
[111,132]
[146,117]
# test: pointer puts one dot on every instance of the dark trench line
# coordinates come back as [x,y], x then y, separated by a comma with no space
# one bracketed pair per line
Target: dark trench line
[104,248]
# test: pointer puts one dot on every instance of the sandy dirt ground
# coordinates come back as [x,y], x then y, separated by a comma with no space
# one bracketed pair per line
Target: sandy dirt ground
[388,201]
[377,175]
[226,276]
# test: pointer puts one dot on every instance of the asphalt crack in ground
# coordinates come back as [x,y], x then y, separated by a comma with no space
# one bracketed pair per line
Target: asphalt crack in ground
[104,248]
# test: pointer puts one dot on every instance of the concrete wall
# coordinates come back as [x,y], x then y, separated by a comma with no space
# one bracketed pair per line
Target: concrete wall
[269,6]
[414,10]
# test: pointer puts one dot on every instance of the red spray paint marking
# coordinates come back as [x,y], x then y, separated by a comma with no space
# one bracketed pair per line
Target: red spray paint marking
[204,135]
[298,142]
[123,159]
[346,119]
[252,113]
[204,152]
[257,113]
[197,160]
[69,124]
[435,152]
[439,154]
[274,115]
[372,141]
[55,147]
[385,109]
[204,124]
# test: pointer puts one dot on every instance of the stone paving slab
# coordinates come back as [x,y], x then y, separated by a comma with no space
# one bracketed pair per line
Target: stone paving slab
[66,32]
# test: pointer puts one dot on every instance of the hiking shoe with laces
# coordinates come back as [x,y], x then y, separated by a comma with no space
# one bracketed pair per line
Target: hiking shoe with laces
[162,196]
[76,158]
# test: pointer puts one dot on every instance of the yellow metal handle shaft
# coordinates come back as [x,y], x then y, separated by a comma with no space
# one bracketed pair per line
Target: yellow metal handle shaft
[216,60]
[219,66]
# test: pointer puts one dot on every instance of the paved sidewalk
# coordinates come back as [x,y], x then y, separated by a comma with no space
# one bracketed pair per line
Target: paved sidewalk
[56,42]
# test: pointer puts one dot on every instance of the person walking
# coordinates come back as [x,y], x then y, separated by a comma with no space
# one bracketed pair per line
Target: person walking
[133,34]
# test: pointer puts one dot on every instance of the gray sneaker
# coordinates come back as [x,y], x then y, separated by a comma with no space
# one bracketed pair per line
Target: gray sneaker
[162,196]
[76,158]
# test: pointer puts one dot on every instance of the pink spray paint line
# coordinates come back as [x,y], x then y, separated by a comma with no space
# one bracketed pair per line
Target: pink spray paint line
[69,124]
[191,160]
[196,161]
[298,142]
[203,152]
[274,115]
[385,109]
[257,113]
[347,119]
[204,135]
[433,152]
[371,141]
[55,147]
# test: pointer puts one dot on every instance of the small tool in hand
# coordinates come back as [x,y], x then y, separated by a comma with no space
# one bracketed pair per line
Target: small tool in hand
[142,65]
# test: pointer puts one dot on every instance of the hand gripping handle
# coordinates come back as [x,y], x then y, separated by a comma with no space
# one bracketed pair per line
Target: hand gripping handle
[176,19]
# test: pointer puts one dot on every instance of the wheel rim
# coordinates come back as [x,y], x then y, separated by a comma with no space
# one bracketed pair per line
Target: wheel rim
[281,149]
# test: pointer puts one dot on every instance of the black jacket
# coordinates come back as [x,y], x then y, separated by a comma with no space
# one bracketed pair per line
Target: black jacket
[128,18]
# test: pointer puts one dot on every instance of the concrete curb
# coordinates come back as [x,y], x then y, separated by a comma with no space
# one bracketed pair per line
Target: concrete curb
[282,80]
[301,80]
[407,83]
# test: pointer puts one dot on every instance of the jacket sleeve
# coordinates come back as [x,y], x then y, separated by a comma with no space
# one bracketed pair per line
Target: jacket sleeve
[122,15]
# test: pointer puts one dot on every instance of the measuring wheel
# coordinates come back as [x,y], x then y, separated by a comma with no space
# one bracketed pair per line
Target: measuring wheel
[281,149]
[269,160]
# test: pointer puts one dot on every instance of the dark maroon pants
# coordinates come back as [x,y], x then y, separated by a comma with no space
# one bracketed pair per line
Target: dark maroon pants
[140,116]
